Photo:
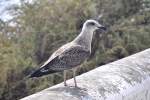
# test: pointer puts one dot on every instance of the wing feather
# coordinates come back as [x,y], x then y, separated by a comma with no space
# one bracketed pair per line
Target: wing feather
[71,57]
[66,57]
[57,53]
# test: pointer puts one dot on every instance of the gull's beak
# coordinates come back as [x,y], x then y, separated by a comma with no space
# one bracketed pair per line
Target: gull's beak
[102,28]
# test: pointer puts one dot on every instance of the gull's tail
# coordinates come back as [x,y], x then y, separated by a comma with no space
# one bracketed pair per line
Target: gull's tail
[41,72]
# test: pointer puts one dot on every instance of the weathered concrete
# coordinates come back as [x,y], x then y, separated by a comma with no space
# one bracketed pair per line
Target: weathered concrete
[125,79]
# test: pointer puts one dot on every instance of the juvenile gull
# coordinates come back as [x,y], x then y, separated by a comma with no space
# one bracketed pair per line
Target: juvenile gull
[72,54]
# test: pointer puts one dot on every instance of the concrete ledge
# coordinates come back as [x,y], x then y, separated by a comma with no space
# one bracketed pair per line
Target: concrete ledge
[125,79]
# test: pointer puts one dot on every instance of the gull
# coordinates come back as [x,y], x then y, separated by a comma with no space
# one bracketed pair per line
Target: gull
[72,54]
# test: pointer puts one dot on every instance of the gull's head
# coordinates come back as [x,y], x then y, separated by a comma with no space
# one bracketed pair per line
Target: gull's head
[93,25]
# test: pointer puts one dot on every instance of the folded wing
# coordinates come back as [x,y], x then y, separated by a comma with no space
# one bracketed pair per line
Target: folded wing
[66,57]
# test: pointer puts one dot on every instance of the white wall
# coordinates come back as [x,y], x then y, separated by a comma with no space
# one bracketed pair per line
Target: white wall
[125,79]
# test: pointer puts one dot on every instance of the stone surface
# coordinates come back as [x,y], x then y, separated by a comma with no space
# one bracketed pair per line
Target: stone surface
[125,79]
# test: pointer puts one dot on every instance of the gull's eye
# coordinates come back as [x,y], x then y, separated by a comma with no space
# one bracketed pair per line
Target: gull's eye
[92,23]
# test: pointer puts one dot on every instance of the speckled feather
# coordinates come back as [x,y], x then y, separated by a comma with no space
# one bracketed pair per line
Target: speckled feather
[66,57]
[71,54]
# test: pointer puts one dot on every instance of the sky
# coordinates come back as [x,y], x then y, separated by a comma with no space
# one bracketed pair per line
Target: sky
[4,15]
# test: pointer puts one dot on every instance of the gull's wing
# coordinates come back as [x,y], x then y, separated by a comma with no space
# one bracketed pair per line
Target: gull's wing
[57,53]
[68,56]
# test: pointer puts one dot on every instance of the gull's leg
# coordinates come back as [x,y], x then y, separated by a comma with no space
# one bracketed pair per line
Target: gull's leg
[65,72]
[74,76]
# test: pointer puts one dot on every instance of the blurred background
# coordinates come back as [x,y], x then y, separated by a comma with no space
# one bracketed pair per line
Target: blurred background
[31,30]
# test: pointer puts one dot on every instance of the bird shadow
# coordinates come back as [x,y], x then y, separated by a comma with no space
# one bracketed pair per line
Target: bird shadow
[77,92]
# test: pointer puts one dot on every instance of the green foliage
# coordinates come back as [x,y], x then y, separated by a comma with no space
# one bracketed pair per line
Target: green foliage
[43,26]
[12,65]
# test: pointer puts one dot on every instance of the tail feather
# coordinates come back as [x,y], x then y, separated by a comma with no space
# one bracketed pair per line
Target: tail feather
[41,72]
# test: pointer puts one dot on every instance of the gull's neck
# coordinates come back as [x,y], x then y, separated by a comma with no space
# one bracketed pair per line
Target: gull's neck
[85,38]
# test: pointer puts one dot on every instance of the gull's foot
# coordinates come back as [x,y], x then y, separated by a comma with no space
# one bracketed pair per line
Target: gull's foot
[65,84]
[80,88]
[76,86]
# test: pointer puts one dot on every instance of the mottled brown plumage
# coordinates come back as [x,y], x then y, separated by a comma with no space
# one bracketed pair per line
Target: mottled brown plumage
[67,58]
[72,54]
